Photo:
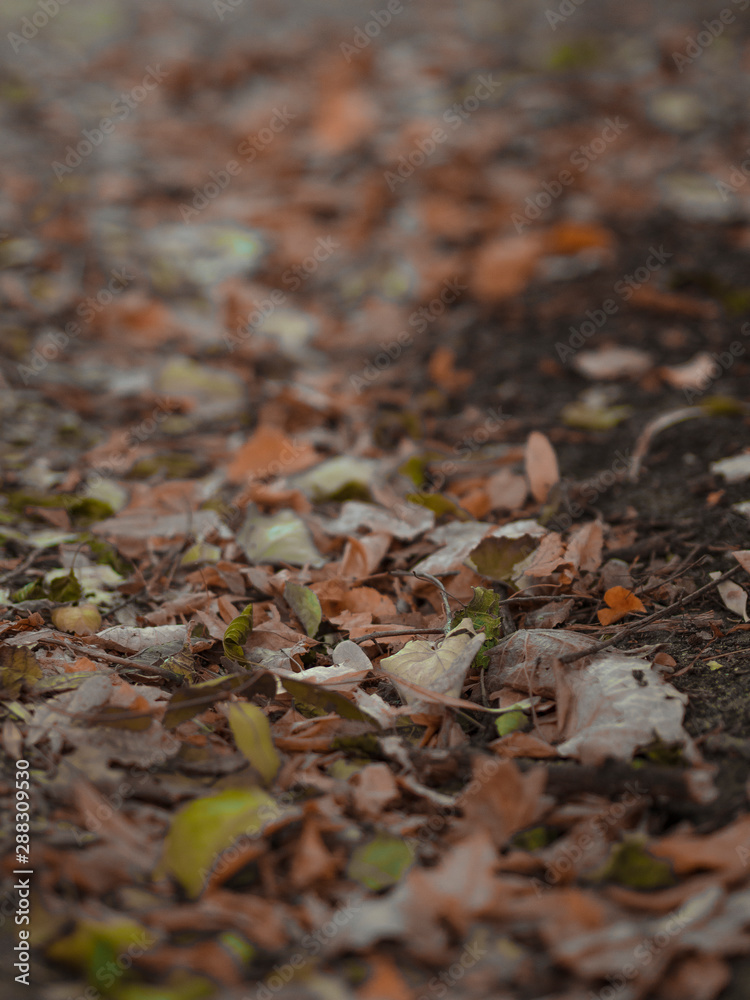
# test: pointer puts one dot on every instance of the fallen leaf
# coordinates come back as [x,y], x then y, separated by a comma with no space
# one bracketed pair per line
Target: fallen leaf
[252,734]
[83,619]
[435,667]
[620,602]
[541,465]
[208,826]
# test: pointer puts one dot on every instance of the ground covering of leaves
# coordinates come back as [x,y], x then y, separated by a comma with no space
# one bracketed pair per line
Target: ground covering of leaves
[374,508]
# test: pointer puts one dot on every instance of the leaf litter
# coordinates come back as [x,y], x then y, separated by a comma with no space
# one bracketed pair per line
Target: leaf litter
[333,683]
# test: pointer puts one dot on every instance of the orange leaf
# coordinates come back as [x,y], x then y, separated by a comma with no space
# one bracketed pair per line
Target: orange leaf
[443,373]
[621,602]
[571,237]
[269,452]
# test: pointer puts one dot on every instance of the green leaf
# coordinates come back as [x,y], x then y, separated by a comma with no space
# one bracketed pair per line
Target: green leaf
[206,693]
[510,722]
[496,558]
[206,827]
[631,865]
[33,591]
[534,839]
[252,734]
[182,986]
[88,946]
[65,588]
[306,606]
[236,634]
[328,701]
[484,612]
[439,505]
[380,862]
[282,537]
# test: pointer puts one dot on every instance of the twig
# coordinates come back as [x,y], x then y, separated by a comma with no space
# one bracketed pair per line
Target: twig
[99,654]
[684,567]
[207,699]
[21,568]
[410,631]
[638,627]
[441,588]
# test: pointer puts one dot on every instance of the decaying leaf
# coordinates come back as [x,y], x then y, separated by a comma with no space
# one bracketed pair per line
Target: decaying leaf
[202,830]
[305,604]
[615,704]
[325,699]
[81,619]
[236,634]
[278,538]
[252,734]
[19,669]
[191,699]
[439,667]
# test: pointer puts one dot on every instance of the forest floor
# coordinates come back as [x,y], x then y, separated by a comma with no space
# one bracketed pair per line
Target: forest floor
[375,501]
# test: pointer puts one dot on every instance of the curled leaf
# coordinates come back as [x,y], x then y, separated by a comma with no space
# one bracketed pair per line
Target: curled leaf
[252,734]
[236,634]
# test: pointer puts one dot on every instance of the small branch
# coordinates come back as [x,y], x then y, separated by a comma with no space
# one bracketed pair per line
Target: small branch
[409,631]
[638,627]
[94,652]
[441,588]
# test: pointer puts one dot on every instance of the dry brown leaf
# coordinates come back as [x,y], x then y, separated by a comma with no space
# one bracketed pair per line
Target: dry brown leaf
[541,465]
[503,267]
[442,371]
[373,789]
[502,800]
[584,551]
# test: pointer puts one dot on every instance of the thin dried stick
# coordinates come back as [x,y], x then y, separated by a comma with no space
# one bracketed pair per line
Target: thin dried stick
[638,627]
[409,631]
